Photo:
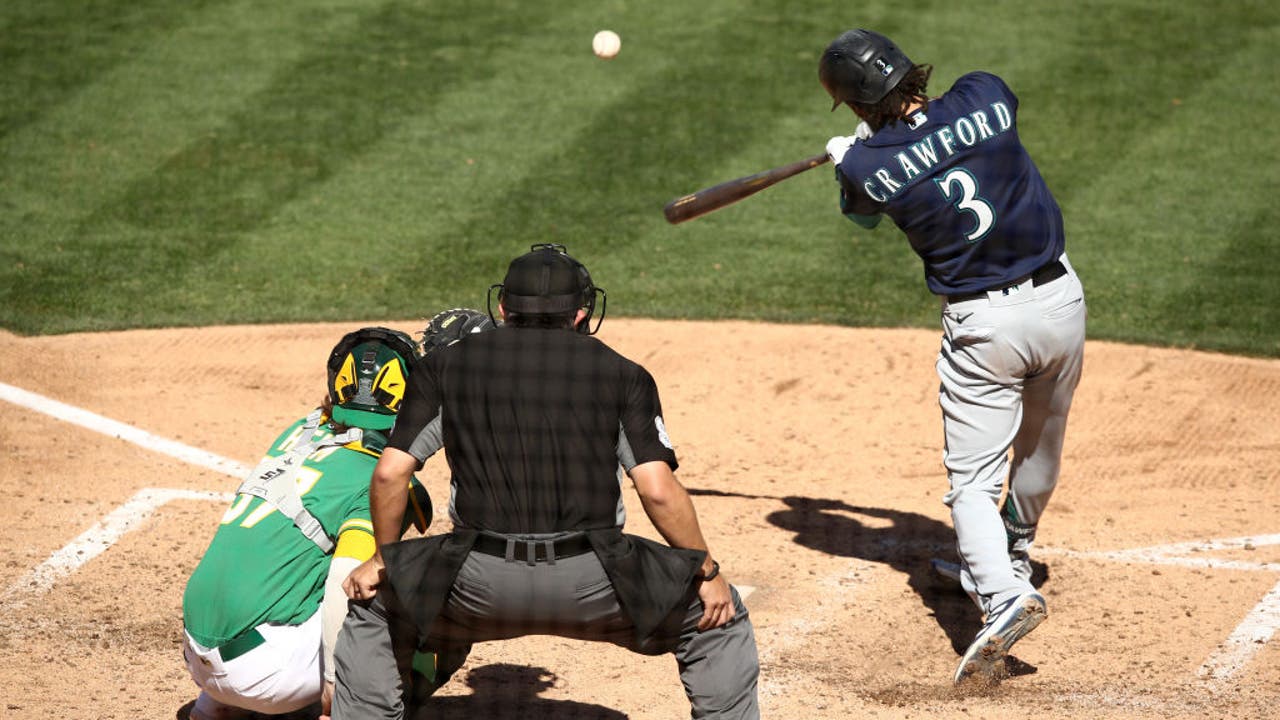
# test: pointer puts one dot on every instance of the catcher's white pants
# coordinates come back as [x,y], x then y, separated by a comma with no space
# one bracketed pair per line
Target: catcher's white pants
[1009,365]
[281,675]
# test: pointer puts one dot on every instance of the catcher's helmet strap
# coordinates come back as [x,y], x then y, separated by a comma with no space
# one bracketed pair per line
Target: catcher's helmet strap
[397,341]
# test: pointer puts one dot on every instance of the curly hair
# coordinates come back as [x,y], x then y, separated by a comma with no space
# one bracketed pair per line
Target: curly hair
[893,107]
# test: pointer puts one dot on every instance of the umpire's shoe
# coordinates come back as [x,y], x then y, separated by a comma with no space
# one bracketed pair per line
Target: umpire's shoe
[1005,626]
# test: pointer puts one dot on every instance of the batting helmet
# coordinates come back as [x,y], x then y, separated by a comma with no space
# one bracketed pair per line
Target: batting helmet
[548,281]
[450,326]
[368,371]
[861,67]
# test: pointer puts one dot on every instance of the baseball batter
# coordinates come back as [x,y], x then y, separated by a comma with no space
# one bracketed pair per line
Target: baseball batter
[264,606]
[952,174]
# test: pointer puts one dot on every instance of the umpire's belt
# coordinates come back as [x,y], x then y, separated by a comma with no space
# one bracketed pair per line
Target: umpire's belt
[531,551]
[239,645]
[1044,274]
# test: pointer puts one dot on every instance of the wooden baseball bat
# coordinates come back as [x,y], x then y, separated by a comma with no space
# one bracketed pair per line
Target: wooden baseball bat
[726,193]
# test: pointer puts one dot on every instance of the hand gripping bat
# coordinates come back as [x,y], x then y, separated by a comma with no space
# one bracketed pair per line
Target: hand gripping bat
[717,196]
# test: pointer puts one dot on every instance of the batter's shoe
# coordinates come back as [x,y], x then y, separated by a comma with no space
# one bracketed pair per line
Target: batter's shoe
[946,571]
[1006,625]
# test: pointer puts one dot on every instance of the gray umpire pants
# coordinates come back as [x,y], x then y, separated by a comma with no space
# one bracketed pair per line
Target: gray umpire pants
[1009,366]
[493,599]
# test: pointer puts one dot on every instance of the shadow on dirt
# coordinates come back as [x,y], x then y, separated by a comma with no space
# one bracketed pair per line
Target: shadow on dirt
[510,692]
[905,541]
[499,692]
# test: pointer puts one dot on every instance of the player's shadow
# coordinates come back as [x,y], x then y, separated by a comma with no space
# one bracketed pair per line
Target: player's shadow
[905,541]
[510,692]
[499,692]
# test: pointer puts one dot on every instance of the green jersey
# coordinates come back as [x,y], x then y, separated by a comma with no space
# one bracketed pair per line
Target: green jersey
[260,568]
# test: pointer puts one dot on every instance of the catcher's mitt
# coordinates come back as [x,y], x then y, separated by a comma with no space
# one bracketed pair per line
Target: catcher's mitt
[450,326]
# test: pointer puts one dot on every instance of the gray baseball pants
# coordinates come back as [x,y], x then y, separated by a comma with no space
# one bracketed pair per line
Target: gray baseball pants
[1009,366]
[493,599]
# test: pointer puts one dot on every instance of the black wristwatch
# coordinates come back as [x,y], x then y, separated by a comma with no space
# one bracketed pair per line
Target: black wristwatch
[715,570]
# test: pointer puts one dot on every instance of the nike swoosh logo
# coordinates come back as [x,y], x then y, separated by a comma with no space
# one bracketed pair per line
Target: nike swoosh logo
[961,318]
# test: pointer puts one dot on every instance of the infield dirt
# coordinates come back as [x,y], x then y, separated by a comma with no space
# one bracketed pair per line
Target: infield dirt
[814,455]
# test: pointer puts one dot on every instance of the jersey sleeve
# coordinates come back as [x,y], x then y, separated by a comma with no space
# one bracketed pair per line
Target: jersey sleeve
[355,534]
[642,436]
[982,87]
[417,430]
[855,203]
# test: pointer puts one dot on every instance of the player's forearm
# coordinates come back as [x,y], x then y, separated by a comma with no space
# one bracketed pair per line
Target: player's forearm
[388,493]
[675,518]
[333,610]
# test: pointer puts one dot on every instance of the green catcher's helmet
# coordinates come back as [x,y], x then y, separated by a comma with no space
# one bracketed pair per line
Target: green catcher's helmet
[368,373]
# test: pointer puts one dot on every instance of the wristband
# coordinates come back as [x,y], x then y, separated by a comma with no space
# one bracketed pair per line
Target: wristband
[715,570]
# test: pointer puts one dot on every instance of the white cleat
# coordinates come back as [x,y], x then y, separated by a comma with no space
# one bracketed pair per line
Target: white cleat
[1005,626]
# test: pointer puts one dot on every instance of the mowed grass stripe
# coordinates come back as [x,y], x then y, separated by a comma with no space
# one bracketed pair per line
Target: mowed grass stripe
[1230,298]
[86,152]
[396,229]
[1155,212]
[355,84]
[51,50]
[678,117]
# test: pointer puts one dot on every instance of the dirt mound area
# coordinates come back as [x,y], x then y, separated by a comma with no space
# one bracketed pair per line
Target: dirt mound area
[814,455]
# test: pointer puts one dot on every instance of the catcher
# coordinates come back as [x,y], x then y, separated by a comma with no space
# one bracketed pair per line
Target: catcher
[263,608]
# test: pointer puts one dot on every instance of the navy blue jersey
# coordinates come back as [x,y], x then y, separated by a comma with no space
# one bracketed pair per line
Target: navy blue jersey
[958,182]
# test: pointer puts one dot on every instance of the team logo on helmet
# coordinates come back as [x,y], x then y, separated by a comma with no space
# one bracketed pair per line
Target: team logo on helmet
[368,374]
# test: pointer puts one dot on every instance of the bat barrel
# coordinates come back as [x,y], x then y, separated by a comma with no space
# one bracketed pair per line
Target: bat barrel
[700,203]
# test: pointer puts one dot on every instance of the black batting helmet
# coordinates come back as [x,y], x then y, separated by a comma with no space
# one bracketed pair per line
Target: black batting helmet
[861,67]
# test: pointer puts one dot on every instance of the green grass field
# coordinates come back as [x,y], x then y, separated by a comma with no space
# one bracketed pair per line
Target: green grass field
[225,161]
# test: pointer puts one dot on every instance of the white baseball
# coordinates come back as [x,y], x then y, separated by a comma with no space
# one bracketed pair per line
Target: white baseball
[606,44]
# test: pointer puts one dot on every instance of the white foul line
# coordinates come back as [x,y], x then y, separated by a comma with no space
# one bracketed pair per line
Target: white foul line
[1249,637]
[128,433]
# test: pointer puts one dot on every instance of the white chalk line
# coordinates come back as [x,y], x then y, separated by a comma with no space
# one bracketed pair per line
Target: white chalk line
[1254,631]
[95,541]
[107,531]
[112,428]
[1248,638]
[1258,627]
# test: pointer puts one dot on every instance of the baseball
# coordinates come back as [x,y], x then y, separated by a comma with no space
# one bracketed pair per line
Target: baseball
[606,44]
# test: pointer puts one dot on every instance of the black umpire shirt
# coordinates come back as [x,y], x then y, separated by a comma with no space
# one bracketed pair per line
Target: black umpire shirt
[534,423]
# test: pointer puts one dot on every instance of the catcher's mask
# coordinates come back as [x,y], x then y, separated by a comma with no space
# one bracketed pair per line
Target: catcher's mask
[861,67]
[548,281]
[450,326]
[368,371]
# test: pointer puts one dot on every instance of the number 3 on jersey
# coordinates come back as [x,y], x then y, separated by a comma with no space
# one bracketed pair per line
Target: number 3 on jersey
[967,200]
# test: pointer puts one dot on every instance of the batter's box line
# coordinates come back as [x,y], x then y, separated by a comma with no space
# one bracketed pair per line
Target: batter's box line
[96,540]
[1258,626]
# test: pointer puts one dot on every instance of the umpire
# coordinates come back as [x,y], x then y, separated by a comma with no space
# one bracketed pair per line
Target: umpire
[536,418]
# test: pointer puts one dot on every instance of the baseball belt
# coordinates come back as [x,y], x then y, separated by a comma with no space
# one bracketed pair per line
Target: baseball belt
[1042,275]
[531,551]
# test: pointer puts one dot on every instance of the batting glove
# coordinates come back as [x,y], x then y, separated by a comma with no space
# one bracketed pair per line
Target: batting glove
[863,131]
[839,145]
